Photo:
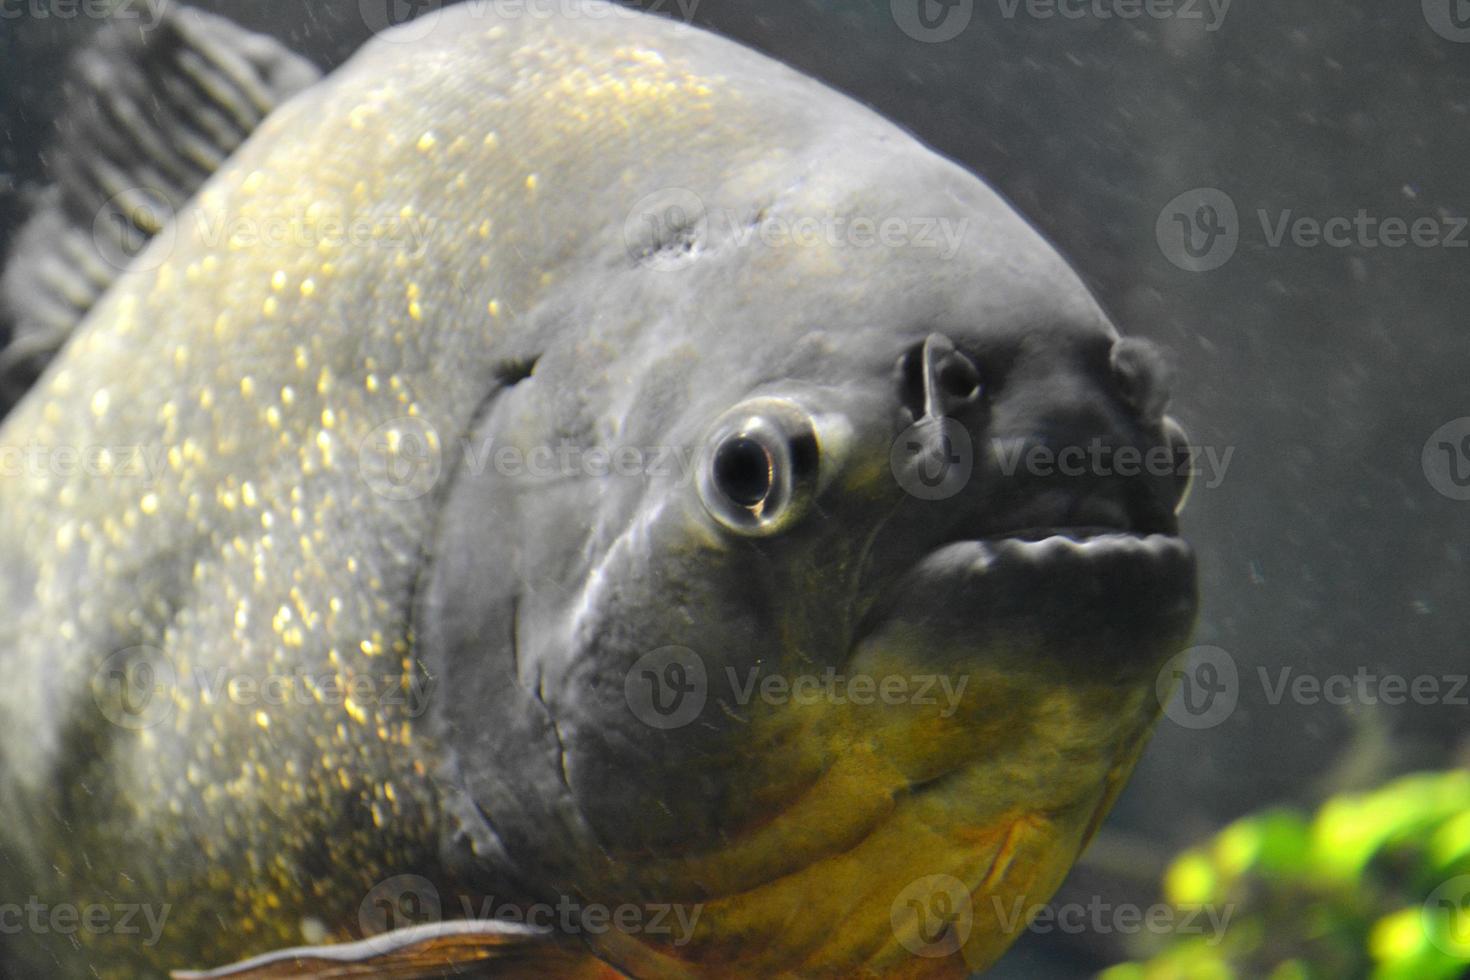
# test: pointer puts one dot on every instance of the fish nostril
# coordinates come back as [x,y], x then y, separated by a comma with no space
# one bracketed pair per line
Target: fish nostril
[959,377]
[935,378]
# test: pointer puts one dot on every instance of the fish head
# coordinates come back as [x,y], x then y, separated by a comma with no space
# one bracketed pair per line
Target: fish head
[835,609]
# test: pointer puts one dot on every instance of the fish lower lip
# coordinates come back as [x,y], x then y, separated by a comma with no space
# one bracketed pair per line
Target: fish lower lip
[1079,533]
[1072,544]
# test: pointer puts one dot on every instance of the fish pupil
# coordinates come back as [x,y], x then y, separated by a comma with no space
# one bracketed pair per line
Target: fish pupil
[959,377]
[744,471]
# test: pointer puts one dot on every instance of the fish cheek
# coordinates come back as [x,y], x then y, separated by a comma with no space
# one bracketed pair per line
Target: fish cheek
[479,600]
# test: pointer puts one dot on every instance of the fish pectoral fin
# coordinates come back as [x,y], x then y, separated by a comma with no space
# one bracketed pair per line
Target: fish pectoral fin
[460,948]
[149,115]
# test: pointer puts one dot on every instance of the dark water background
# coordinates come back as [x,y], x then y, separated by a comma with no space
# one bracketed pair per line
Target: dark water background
[1325,548]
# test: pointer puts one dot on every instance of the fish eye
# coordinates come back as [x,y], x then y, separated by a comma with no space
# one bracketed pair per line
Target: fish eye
[760,471]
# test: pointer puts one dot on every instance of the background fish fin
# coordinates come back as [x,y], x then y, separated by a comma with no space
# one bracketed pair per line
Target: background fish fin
[150,115]
[460,948]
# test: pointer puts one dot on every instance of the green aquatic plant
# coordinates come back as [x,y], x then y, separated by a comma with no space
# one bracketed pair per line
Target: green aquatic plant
[1373,884]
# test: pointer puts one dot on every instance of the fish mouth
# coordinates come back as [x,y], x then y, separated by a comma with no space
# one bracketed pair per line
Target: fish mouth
[1081,590]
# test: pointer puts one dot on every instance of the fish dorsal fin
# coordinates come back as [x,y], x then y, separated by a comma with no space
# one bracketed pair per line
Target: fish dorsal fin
[150,113]
[460,948]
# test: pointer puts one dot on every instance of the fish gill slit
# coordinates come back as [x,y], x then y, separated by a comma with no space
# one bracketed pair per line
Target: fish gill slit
[538,691]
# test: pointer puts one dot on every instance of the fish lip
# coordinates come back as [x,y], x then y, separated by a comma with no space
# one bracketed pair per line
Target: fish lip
[1039,545]
[1054,585]
[1078,534]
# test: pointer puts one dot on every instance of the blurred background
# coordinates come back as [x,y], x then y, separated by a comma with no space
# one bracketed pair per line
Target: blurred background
[1332,370]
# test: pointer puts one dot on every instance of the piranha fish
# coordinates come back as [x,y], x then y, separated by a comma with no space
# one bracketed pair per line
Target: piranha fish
[561,496]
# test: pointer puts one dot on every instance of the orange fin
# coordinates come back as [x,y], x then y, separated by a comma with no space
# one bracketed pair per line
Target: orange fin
[460,948]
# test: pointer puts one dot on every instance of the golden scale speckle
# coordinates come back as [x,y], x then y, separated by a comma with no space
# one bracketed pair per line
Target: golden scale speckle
[263,531]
